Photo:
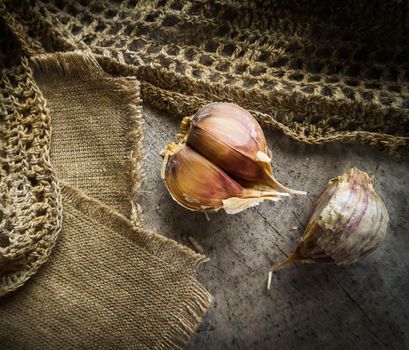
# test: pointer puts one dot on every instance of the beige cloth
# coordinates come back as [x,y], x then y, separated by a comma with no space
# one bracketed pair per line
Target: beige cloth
[103,289]
[315,73]
[108,283]
[96,127]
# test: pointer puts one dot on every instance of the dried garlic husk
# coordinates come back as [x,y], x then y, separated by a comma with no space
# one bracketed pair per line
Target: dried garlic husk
[198,184]
[231,138]
[349,221]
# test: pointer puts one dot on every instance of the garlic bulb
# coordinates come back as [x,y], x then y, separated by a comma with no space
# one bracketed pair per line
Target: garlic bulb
[221,161]
[349,221]
[197,184]
[231,138]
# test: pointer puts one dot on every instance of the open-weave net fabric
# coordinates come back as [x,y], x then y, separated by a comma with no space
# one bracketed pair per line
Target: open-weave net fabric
[107,285]
[313,70]
[320,71]
[30,208]
[113,282]
[108,282]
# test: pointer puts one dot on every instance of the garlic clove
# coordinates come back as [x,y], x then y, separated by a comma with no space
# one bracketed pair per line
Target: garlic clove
[358,217]
[197,184]
[230,137]
[349,221]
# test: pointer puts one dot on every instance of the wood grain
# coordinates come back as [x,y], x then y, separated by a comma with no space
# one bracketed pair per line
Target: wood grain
[362,306]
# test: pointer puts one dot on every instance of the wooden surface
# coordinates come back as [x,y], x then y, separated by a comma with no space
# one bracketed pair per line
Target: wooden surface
[362,306]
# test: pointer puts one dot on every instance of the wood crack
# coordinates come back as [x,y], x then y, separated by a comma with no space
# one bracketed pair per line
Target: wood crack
[363,312]
[268,223]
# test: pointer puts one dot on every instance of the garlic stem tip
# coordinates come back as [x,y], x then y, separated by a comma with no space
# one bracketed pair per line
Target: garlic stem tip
[304,193]
[284,262]
[270,275]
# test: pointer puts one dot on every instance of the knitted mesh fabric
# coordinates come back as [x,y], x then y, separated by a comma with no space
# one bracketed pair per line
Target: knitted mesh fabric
[317,72]
[30,208]
[112,281]
[106,286]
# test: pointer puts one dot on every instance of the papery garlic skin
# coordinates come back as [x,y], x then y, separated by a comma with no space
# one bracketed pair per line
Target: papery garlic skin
[231,138]
[221,161]
[349,221]
[199,185]
[353,222]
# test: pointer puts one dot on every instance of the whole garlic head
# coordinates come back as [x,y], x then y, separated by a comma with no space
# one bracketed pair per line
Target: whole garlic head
[349,221]
[197,184]
[231,138]
[221,161]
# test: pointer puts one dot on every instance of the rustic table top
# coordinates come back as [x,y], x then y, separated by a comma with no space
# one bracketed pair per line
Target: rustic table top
[309,306]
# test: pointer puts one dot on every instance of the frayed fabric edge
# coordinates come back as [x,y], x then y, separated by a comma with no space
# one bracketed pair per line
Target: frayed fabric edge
[189,315]
[79,65]
[75,65]
[164,248]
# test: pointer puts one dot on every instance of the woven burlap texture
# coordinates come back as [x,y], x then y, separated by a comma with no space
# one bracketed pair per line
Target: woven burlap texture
[312,69]
[315,71]
[91,125]
[102,289]
[113,282]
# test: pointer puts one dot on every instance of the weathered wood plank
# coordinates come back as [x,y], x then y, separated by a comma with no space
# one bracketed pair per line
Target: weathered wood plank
[363,306]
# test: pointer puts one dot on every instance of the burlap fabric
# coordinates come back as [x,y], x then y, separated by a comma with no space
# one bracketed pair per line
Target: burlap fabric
[314,70]
[104,287]
[94,119]
[317,70]
[109,282]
